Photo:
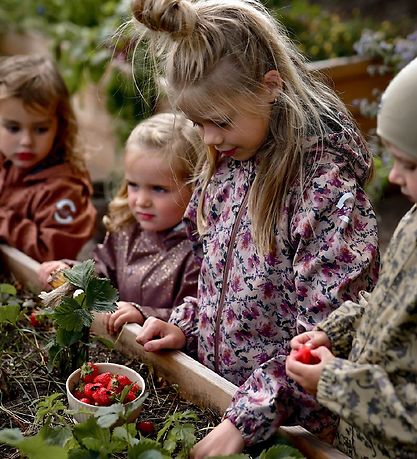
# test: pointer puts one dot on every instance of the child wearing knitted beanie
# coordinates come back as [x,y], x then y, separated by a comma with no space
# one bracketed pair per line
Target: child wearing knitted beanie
[367,351]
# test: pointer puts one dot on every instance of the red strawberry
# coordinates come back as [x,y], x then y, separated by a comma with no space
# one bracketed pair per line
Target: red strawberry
[78,394]
[34,321]
[136,389]
[145,427]
[114,385]
[87,400]
[304,355]
[103,397]
[130,396]
[103,378]
[91,388]
[88,372]
[123,380]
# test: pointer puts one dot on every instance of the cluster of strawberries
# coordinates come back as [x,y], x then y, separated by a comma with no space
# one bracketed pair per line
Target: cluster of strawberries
[104,389]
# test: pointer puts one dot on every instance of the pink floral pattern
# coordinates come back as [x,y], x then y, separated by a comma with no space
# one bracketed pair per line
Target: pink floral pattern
[250,305]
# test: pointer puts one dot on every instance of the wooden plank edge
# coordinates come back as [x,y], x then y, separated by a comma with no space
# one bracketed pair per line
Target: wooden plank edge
[23,267]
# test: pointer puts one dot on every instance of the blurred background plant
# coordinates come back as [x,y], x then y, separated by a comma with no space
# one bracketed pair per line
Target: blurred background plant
[91,45]
[388,55]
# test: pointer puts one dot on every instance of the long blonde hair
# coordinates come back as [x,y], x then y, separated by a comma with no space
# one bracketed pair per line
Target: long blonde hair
[170,136]
[211,52]
[35,80]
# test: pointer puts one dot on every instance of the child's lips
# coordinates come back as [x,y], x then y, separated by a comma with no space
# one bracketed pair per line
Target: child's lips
[144,216]
[25,156]
[228,153]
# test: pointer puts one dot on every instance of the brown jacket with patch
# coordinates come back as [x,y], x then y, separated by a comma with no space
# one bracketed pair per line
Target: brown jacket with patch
[46,213]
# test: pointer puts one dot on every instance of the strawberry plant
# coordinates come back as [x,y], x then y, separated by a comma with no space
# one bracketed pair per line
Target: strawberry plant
[71,307]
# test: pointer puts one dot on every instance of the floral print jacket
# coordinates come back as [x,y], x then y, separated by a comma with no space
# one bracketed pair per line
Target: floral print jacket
[375,390]
[250,305]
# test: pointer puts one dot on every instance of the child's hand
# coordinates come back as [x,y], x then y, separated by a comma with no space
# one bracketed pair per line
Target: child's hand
[47,268]
[312,339]
[308,375]
[223,440]
[126,313]
[157,335]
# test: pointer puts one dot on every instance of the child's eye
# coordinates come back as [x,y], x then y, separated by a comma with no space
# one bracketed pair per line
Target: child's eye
[196,125]
[159,189]
[132,185]
[12,128]
[42,129]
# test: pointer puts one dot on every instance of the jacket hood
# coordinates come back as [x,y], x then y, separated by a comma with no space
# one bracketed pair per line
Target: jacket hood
[349,147]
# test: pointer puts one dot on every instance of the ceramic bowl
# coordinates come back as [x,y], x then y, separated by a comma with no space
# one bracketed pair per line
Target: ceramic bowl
[75,404]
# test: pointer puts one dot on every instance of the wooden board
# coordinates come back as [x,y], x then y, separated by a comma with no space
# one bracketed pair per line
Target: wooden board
[24,268]
[195,382]
[350,78]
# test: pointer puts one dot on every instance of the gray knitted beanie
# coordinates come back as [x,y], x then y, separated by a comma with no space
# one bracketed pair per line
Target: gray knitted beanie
[397,117]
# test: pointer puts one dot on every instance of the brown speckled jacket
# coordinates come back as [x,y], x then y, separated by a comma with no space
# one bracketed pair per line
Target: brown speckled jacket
[155,269]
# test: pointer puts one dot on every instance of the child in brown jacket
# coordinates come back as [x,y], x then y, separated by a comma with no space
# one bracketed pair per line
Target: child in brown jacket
[45,206]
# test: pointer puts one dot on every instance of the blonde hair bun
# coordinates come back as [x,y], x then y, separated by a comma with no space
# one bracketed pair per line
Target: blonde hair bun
[177,17]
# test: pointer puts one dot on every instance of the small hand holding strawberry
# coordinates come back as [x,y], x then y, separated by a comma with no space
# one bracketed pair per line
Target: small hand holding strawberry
[307,373]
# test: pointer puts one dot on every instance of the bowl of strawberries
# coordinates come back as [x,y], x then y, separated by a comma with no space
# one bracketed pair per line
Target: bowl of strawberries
[98,385]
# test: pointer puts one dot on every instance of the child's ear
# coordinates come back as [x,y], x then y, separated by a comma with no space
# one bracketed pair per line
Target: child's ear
[273,83]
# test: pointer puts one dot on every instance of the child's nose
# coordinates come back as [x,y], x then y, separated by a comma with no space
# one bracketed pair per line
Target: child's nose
[395,176]
[142,198]
[212,135]
[26,138]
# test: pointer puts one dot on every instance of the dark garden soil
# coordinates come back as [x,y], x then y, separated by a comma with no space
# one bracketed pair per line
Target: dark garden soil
[24,378]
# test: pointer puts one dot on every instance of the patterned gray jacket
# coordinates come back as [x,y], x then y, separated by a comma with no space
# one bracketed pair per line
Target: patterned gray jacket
[372,384]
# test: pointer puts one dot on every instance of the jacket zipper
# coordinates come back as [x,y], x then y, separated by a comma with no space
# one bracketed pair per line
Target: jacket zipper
[225,278]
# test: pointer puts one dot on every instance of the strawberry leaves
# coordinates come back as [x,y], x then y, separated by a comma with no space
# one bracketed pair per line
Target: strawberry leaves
[73,314]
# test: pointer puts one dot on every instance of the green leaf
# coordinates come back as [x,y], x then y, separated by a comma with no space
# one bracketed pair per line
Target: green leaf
[281,452]
[80,274]
[9,314]
[89,432]
[81,454]
[101,296]
[148,449]
[8,289]
[35,447]
[65,338]
[127,433]
[71,316]
[10,436]
[57,436]
[49,406]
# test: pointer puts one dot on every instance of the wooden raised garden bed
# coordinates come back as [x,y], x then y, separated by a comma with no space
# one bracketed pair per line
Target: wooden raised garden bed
[195,382]
[350,78]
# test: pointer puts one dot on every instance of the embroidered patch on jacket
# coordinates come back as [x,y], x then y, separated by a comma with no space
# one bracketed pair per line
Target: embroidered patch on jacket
[65,210]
